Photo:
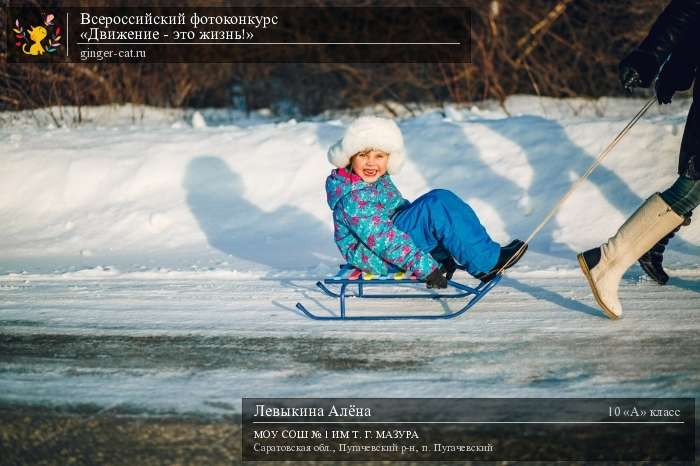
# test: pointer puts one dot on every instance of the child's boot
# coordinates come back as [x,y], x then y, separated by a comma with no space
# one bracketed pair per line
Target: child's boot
[603,267]
[508,257]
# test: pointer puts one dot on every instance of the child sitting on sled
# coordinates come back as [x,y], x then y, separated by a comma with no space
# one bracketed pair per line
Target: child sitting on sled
[378,231]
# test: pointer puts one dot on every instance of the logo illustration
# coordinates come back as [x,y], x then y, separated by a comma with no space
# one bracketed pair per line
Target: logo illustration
[33,41]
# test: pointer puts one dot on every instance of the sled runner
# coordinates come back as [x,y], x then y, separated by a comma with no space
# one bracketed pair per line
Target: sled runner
[349,276]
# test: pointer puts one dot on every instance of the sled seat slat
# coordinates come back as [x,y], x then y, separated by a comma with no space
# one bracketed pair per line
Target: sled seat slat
[348,273]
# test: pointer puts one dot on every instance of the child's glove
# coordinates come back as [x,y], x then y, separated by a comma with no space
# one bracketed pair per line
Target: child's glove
[448,266]
[436,279]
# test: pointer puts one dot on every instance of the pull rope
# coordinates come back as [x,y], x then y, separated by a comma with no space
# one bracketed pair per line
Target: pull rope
[578,182]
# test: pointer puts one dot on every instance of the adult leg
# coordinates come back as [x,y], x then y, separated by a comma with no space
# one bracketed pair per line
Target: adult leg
[603,266]
[683,196]
[440,219]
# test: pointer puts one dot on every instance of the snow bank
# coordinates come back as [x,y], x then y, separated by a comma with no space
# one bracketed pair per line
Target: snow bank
[215,190]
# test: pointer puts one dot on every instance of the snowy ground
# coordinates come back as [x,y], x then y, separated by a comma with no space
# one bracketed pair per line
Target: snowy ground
[155,264]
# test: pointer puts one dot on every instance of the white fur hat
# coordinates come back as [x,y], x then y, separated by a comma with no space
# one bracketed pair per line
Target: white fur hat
[370,132]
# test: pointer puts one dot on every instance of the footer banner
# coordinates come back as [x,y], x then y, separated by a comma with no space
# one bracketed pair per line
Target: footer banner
[468,429]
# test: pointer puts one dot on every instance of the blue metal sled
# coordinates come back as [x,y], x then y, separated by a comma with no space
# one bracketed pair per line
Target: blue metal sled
[350,276]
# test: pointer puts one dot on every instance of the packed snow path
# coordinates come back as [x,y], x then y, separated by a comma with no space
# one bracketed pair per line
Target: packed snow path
[200,345]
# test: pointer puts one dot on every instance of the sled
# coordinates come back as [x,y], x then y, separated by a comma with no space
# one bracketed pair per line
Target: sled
[349,276]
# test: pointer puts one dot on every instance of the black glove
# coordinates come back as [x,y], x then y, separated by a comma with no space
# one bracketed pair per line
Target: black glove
[448,266]
[676,75]
[638,69]
[629,78]
[664,91]
[436,280]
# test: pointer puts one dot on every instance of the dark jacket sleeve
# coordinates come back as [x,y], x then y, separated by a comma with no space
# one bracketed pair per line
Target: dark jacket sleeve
[679,71]
[673,26]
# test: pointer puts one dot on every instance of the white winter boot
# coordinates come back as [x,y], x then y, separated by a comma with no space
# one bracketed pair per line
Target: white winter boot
[604,266]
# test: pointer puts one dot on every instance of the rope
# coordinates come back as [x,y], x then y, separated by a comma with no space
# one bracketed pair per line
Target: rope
[578,182]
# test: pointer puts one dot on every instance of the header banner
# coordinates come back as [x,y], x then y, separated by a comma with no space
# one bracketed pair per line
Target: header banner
[239,34]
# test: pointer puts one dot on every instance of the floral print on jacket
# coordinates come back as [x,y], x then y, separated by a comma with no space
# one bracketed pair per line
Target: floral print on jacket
[364,232]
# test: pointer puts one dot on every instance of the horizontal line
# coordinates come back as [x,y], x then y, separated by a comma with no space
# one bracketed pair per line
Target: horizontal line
[269,43]
[472,422]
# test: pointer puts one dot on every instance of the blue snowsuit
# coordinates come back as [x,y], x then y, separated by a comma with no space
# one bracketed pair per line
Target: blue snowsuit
[378,231]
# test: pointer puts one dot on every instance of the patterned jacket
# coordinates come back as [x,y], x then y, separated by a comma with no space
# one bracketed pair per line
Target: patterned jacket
[364,232]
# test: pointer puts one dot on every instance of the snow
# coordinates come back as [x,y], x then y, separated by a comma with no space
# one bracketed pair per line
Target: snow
[152,258]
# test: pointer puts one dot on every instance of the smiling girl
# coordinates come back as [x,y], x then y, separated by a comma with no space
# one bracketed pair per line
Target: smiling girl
[378,231]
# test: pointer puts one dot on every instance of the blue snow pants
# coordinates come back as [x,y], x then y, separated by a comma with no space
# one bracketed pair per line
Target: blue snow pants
[441,223]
